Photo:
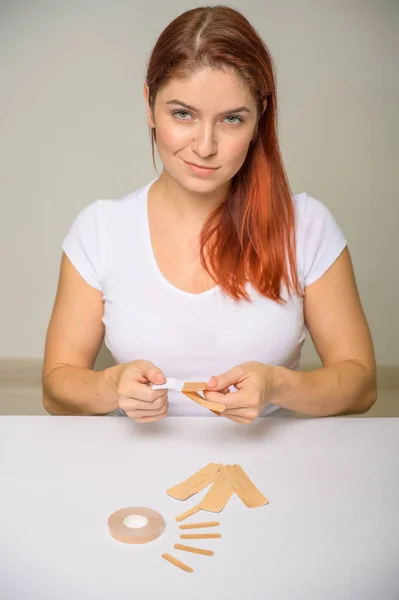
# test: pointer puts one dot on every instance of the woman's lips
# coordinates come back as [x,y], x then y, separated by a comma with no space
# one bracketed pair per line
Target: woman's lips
[201,170]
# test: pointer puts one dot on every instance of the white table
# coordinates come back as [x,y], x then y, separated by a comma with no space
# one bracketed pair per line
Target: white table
[330,530]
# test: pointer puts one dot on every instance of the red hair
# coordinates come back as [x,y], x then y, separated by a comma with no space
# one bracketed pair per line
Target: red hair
[250,237]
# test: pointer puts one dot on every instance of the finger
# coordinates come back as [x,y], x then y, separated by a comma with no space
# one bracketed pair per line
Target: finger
[152,373]
[230,401]
[143,405]
[239,420]
[245,413]
[139,392]
[151,419]
[139,415]
[141,397]
[227,379]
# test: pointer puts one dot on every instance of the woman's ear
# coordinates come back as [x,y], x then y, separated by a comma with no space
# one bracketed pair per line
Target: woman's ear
[150,116]
[264,105]
[262,110]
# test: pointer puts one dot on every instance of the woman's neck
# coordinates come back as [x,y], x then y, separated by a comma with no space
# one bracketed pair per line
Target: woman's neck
[187,205]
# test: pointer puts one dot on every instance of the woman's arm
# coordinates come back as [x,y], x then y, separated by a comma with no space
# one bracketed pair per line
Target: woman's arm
[74,337]
[346,384]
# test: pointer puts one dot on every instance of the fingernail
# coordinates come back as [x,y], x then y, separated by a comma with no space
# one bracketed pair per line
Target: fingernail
[212,382]
[160,377]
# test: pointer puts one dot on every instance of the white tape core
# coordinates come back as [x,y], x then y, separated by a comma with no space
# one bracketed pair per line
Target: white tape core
[135,521]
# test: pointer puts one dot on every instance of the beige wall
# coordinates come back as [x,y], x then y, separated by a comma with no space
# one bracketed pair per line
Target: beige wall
[73,129]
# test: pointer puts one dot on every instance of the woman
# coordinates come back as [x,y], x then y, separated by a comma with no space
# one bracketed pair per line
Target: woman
[214,268]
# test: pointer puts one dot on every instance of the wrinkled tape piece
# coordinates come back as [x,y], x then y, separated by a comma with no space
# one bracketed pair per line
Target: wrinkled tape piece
[244,487]
[195,483]
[218,496]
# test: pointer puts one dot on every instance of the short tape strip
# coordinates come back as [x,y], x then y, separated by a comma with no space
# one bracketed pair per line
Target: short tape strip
[177,563]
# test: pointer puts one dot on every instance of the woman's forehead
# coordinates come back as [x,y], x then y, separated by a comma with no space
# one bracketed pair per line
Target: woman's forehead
[209,89]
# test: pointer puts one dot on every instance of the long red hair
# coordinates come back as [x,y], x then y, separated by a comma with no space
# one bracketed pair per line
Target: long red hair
[249,238]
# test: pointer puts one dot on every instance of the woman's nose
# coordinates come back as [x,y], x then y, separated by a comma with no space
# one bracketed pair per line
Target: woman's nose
[204,142]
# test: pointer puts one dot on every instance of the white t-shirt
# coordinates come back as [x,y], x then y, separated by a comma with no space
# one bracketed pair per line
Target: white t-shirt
[191,336]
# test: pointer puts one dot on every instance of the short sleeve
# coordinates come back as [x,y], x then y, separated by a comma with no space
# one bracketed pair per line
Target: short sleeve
[82,245]
[321,240]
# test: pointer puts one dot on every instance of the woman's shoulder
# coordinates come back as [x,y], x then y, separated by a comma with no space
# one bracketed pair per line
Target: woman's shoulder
[312,216]
[116,208]
[319,238]
[308,208]
[110,214]
[99,230]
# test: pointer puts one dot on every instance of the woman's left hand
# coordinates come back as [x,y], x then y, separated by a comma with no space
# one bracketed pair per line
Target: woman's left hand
[255,384]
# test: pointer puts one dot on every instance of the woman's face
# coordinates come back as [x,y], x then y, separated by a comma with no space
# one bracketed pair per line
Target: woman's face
[208,119]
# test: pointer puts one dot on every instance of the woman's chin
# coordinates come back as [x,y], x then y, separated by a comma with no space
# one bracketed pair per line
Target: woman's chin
[197,184]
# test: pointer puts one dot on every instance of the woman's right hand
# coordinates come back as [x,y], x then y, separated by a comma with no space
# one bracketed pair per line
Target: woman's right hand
[135,394]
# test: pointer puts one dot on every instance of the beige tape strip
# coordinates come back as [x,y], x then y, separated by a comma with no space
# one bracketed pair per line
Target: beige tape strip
[218,496]
[177,563]
[215,412]
[194,386]
[194,550]
[195,483]
[200,525]
[214,406]
[200,386]
[200,536]
[244,487]
[188,513]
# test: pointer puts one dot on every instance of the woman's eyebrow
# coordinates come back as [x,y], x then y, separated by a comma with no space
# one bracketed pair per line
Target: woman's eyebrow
[192,108]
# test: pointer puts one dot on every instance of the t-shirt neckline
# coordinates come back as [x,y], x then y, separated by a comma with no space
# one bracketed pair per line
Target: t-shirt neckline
[153,261]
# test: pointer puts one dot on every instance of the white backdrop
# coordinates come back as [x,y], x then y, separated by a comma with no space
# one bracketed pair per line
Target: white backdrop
[73,129]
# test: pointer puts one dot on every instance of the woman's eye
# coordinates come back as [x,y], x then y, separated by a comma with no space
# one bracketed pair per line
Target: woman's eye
[235,120]
[181,114]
